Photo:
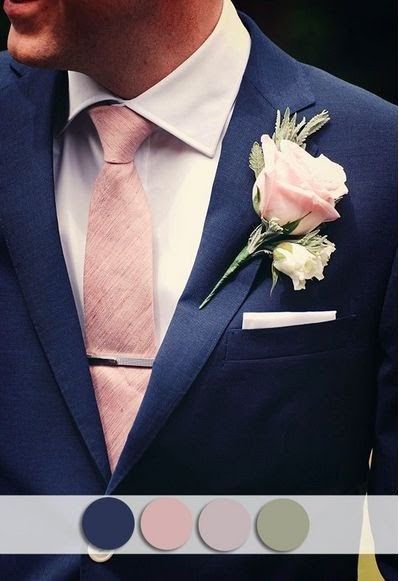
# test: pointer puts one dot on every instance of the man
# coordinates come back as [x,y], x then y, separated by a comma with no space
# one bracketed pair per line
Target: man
[98,254]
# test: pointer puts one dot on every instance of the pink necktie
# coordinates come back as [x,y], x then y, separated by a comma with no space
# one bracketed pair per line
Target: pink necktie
[118,276]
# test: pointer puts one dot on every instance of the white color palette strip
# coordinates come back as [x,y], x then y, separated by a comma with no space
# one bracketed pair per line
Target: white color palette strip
[52,524]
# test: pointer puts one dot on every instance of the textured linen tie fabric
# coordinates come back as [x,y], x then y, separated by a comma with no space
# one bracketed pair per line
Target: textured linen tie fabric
[118,274]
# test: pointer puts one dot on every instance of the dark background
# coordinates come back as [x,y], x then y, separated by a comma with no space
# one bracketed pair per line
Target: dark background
[352,39]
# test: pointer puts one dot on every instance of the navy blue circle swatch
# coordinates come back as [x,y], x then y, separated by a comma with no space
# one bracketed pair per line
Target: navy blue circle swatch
[108,523]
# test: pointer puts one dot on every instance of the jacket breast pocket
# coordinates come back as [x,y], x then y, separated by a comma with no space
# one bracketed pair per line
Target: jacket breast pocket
[289,341]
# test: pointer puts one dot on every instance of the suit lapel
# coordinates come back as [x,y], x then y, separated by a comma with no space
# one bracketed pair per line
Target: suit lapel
[193,334]
[30,226]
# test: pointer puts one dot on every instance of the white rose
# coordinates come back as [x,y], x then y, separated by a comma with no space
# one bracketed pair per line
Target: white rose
[299,263]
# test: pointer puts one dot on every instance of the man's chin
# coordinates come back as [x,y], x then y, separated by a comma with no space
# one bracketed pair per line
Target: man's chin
[30,51]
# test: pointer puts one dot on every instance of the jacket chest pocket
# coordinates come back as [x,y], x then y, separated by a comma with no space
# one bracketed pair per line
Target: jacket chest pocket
[290,341]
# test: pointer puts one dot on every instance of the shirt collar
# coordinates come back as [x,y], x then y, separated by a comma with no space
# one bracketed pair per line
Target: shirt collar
[194,102]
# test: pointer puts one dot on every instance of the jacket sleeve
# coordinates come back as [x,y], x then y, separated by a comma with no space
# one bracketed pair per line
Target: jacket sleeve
[384,469]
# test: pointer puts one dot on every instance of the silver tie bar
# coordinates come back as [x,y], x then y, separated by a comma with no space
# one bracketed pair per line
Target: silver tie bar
[112,361]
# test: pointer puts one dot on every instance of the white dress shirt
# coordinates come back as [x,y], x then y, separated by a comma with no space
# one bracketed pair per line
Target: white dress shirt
[192,107]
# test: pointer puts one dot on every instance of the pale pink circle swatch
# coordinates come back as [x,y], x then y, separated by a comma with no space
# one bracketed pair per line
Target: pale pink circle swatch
[166,523]
[224,524]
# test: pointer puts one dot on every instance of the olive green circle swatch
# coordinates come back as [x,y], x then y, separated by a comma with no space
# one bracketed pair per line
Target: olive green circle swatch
[282,524]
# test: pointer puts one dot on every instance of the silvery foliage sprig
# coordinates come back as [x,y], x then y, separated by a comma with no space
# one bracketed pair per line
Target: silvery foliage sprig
[265,237]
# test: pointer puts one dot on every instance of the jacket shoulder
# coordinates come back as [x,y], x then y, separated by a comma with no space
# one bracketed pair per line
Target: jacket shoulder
[348,100]
[360,121]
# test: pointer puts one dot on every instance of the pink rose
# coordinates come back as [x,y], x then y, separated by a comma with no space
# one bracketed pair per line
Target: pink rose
[293,183]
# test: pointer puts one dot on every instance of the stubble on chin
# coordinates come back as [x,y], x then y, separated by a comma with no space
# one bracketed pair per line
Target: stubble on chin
[37,49]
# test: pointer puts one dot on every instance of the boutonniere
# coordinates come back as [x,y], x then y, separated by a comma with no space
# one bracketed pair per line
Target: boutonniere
[294,194]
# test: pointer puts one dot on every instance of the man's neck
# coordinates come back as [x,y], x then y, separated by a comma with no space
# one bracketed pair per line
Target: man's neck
[156,47]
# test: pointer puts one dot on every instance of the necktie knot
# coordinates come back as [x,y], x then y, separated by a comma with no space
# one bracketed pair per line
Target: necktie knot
[121,131]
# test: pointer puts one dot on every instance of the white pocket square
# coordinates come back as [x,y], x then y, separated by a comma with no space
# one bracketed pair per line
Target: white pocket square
[285,319]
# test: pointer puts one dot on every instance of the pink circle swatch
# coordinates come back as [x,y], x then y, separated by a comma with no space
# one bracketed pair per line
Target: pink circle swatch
[224,524]
[166,523]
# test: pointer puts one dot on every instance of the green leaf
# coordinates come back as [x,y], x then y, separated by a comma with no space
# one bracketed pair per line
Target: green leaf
[286,117]
[290,226]
[239,260]
[291,127]
[316,123]
[256,200]
[287,128]
[298,128]
[307,238]
[278,123]
[256,159]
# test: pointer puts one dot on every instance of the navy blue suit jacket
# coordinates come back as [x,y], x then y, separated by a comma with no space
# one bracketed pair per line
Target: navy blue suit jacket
[277,411]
